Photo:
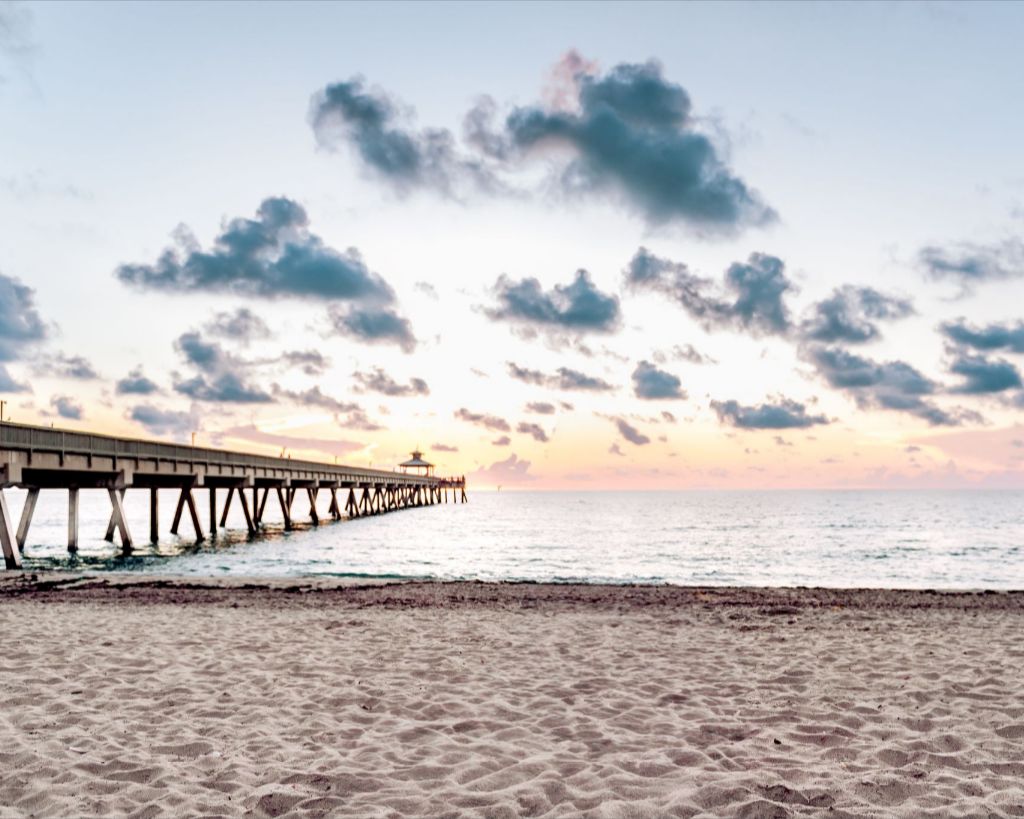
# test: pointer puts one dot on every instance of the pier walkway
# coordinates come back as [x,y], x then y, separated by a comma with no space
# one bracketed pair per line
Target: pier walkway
[36,458]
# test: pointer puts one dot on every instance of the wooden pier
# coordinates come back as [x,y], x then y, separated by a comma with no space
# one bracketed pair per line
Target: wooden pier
[37,458]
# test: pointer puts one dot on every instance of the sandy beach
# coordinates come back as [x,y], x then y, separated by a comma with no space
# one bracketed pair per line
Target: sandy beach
[173,697]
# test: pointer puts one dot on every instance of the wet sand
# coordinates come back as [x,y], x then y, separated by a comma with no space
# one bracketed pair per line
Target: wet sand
[174,697]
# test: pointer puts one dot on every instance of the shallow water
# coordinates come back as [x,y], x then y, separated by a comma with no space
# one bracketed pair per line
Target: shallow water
[926,539]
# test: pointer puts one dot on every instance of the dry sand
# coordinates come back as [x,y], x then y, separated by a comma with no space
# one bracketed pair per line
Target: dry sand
[506,700]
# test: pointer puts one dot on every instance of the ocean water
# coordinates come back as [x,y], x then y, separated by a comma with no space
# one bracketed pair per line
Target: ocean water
[905,539]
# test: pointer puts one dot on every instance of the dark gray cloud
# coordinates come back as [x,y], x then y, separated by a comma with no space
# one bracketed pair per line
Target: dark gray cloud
[241,325]
[66,407]
[969,264]
[503,440]
[60,365]
[668,417]
[782,414]
[628,134]
[630,433]
[651,383]
[983,375]
[849,315]
[163,422]
[541,408]
[1009,337]
[444,448]
[563,379]
[579,307]
[270,256]
[370,122]
[615,449]
[491,422]
[135,383]
[892,385]
[534,430]
[9,385]
[311,362]
[373,325]
[752,296]
[377,380]
[20,322]
[221,376]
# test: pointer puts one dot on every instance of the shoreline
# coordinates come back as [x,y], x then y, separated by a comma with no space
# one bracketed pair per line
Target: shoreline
[135,587]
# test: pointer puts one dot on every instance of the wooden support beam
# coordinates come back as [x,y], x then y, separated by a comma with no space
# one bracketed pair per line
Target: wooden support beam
[255,505]
[245,511]
[178,510]
[26,515]
[117,504]
[333,508]
[263,505]
[311,493]
[213,511]
[8,540]
[285,508]
[464,499]
[227,505]
[112,524]
[73,519]
[350,505]
[191,502]
[154,515]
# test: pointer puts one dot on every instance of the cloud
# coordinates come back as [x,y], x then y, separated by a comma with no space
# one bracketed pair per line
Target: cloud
[61,365]
[563,379]
[20,322]
[1007,336]
[329,446]
[348,414]
[379,381]
[512,470]
[444,448]
[15,34]
[534,430]
[630,135]
[969,264]
[579,307]
[503,440]
[541,408]
[311,362]
[271,256]
[684,352]
[630,433]
[491,422]
[135,383]
[982,375]
[615,449]
[849,315]
[163,422]
[751,298]
[66,407]
[221,376]
[373,325]
[369,122]
[891,385]
[8,384]
[242,325]
[783,414]
[651,383]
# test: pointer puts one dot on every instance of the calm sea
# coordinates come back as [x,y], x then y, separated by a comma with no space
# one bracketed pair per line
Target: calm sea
[927,539]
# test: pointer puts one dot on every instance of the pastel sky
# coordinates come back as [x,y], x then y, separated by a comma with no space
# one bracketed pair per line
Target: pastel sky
[568,246]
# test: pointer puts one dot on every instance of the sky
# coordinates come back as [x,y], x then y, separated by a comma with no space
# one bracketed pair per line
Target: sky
[554,246]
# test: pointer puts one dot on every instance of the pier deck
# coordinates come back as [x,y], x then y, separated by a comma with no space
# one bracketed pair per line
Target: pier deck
[36,458]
